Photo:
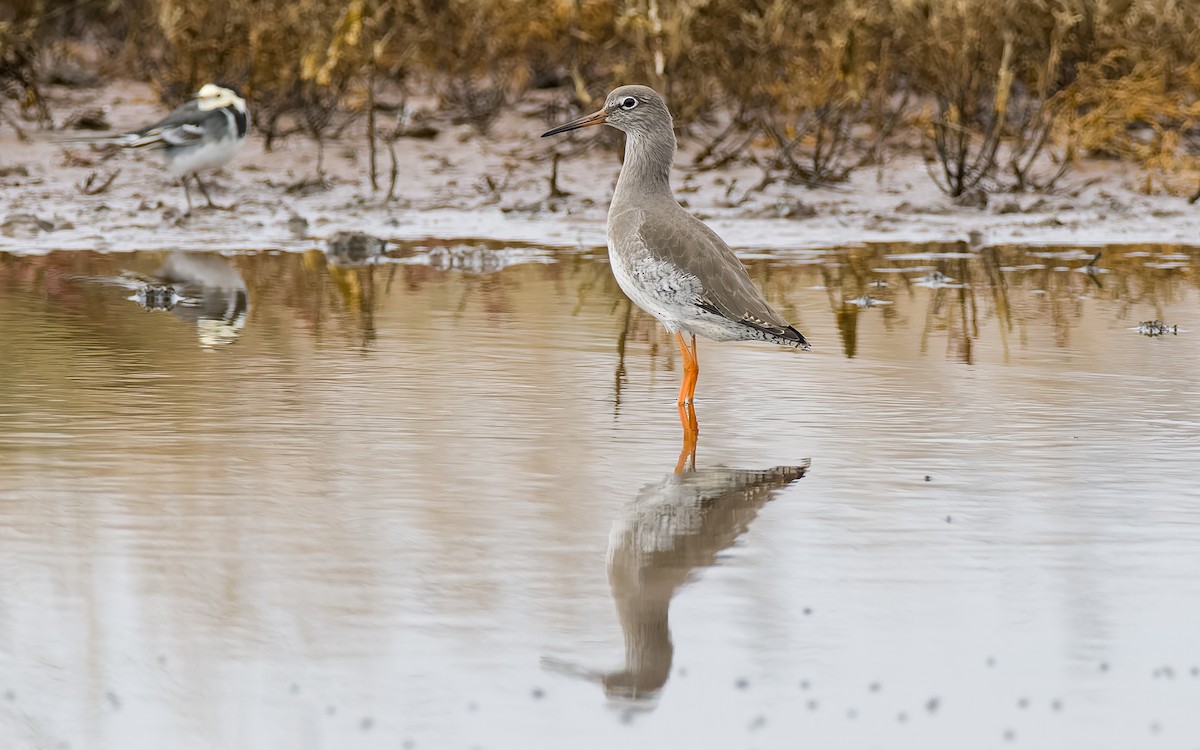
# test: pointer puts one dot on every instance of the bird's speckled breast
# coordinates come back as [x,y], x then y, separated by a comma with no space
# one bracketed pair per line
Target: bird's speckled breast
[667,293]
[659,288]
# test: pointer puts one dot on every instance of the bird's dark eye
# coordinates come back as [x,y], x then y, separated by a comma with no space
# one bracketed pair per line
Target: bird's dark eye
[629,103]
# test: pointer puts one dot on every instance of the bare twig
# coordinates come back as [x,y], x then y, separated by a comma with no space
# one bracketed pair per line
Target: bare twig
[371,124]
[92,186]
[555,190]
[964,163]
[391,193]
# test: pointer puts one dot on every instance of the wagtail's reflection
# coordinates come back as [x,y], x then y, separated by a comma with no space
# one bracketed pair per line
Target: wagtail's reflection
[218,291]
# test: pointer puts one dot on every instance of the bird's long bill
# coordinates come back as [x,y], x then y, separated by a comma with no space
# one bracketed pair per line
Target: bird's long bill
[595,118]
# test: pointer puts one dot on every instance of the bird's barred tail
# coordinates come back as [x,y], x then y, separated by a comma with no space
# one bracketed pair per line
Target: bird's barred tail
[794,337]
[138,140]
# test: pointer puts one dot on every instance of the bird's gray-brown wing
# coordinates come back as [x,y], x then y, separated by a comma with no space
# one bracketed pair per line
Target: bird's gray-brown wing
[185,126]
[682,240]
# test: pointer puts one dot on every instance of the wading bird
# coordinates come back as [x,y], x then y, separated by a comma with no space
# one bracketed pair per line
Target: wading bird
[666,260]
[205,133]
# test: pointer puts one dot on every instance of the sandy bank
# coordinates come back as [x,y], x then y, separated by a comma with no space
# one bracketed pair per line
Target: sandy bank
[463,185]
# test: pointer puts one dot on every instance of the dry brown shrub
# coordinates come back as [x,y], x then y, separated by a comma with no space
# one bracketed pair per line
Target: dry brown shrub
[1011,87]
[990,71]
[19,37]
[817,78]
[1134,81]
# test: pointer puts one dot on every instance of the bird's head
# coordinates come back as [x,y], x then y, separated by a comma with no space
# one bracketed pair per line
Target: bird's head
[635,110]
[216,95]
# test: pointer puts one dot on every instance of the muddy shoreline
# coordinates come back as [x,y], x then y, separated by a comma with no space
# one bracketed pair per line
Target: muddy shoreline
[459,184]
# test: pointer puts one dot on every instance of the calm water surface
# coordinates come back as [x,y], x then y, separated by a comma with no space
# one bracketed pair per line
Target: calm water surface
[430,503]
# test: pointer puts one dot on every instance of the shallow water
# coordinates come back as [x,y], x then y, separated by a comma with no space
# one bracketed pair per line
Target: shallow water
[431,503]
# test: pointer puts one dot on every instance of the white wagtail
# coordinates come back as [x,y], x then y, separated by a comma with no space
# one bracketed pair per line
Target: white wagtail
[205,133]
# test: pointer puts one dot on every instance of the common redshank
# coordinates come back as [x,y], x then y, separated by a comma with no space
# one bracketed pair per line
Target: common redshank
[666,260]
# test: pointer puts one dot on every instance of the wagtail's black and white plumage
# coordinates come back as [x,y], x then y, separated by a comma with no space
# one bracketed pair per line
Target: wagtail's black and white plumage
[205,133]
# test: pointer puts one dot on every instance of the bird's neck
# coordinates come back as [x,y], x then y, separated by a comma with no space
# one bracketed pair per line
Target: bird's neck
[646,173]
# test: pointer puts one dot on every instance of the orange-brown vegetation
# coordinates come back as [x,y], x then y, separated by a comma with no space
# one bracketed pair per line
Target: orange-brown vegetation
[1001,95]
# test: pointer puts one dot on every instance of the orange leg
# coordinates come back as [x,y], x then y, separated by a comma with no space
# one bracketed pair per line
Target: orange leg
[695,371]
[691,369]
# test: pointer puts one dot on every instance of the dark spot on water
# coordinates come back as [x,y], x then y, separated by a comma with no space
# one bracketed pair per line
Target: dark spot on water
[408,745]
[812,705]
[682,672]
[808,610]
[1056,705]
[874,687]
[113,700]
[902,717]
[295,688]
[1195,671]
[1155,728]
[10,695]
[627,716]
[366,724]
[1103,666]
[851,714]
[928,478]
[1023,703]
[1009,735]
[538,694]
[991,661]
[804,684]
[947,519]
[758,723]
[472,706]
[741,683]
[331,710]
[932,705]
[162,661]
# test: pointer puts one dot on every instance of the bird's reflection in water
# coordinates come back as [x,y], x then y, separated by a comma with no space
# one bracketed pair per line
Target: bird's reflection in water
[213,293]
[674,528]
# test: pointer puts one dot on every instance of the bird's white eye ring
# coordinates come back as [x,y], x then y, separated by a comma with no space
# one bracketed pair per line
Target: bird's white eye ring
[629,103]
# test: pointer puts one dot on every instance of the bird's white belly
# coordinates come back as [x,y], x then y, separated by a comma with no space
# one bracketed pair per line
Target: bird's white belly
[206,155]
[669,294]
[642,287]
